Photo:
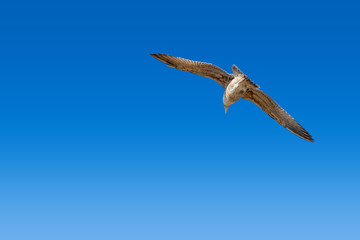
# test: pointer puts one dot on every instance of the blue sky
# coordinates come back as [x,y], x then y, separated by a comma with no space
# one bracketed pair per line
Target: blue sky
[101,141]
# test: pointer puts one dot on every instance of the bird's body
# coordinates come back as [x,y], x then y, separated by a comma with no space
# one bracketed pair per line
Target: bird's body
[237,86]
[235,90]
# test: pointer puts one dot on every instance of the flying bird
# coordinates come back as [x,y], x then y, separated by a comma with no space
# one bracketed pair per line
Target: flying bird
[237,85]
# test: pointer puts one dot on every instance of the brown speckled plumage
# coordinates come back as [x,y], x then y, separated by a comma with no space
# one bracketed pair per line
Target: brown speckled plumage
[237,86]
[200,68]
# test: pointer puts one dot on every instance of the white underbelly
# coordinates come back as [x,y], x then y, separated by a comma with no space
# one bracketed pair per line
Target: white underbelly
[236,90]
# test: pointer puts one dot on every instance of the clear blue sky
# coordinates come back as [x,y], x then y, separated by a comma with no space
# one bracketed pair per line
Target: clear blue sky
[101,141]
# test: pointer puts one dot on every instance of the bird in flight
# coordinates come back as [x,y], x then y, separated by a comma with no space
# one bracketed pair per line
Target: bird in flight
[237,85]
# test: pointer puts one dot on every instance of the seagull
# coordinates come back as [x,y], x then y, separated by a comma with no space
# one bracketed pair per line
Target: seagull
[237,85]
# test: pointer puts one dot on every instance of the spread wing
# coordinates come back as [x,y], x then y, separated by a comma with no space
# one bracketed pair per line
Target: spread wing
[200,68]
[276,112]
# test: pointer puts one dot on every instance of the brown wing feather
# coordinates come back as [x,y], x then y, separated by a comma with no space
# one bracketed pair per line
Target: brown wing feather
[200,68]
[276,112]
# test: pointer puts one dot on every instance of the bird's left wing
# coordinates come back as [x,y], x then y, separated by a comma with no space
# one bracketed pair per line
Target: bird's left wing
[200,68]
[269,106]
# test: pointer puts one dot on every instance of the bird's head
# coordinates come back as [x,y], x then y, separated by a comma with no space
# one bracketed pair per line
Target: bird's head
[226,102]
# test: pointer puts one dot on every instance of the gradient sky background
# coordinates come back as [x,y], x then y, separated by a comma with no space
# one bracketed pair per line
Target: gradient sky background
[101,141]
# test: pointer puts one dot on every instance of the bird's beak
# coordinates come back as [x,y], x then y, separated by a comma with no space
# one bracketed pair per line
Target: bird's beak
[226,108]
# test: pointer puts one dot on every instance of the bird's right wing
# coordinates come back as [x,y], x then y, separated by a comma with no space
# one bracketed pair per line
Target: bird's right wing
[269,106]
[200,68]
